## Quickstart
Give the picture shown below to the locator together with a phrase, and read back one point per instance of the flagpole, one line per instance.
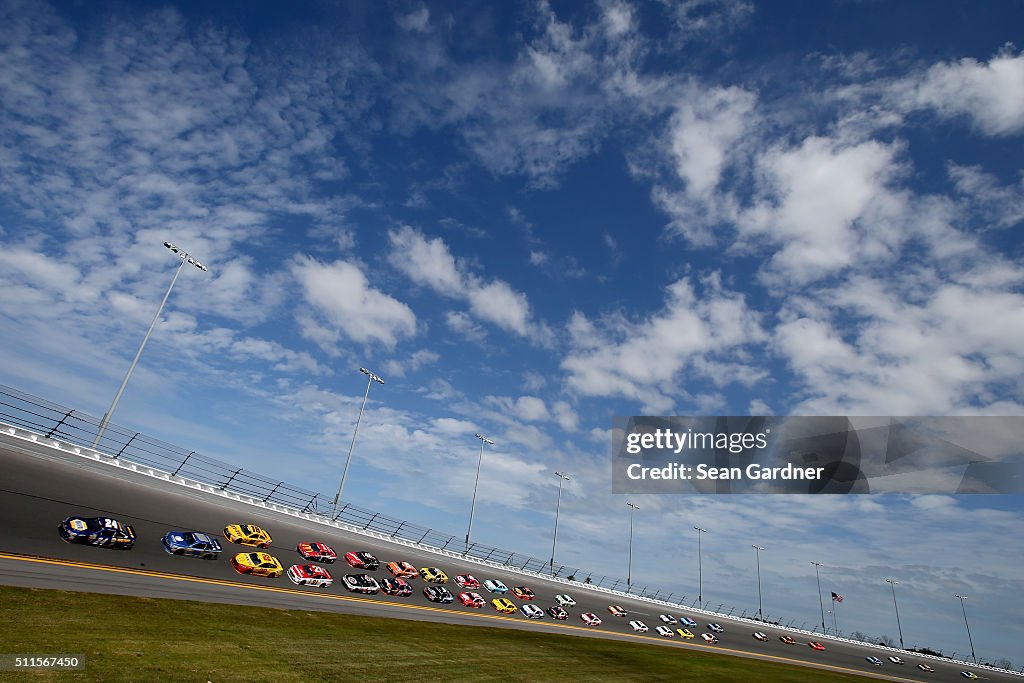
(836, 599)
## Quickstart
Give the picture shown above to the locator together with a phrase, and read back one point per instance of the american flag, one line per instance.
(836, 597)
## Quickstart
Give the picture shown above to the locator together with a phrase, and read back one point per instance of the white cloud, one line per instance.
(826, 204)
(412, 363)
(425, 261)
(418, 20)
(429, 262)
(703, 129)
(644, 359)
(566, 417)
(497, 303)
(347, 305)
(463, 324)
(990, 94)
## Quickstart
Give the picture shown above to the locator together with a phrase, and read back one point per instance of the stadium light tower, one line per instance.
(629, 566)
(472, 508)
(558, 502)
(185, 258)
(700, 569)
(757, 555)
(370, 379)
(969, 639)
(820, 603)
(892, 584)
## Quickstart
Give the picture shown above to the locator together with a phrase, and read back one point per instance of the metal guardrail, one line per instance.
(55, 422)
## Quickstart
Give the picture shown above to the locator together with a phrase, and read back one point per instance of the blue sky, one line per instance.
(528, 219)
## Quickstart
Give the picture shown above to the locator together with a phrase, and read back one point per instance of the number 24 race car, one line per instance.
(104, 532)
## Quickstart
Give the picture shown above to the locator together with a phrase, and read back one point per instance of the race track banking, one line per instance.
(40, 486)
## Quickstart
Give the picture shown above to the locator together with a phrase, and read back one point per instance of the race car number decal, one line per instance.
(78, 525)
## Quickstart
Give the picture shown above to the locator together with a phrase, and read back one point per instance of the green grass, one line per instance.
(144, 639)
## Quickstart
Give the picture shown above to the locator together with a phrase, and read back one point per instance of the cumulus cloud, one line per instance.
(345, 305)
(989, 94)
(429, 262)
(644, 359)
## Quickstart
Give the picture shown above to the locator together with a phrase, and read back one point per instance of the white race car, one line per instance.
(874, 660)
(716, 628)
(668, 619)
(761, 636)
(590, 619)
(531, 611)
(895, 660)
(310, 575)
(565, 601)
(709, 638)
(638, 626)
(664, 631)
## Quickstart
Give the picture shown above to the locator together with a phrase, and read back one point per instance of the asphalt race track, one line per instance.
(39, 487)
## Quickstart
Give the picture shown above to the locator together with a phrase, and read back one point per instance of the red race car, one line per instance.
(467, 581)
(816, 645)
(362, 560)
(471, 600)
(523, 593)
(317, 552)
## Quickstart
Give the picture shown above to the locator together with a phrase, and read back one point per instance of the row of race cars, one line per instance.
(107, 532)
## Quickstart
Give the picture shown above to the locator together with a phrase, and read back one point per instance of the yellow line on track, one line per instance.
(427, 608)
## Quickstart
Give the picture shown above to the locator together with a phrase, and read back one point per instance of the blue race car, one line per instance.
(687, 622)
(104, 532)
(191, 543)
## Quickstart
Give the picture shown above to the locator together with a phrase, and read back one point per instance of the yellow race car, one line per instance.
(685, 633)
(433, 575)
(247, 534)
(257, 564)
(504, 605)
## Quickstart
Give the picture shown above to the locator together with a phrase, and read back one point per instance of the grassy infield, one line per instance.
(143, 639)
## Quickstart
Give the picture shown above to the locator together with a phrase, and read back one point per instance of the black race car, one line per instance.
(438, 594)
(399, 587)
(104, 532)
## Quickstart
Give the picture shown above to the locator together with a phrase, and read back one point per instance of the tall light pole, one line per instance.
(558, 502)
(892, 584)
(472, 508)
(835, 630)
(757, 554)
(370, 379)
(629, 567)
(820, 603)
(969, 639)
(185, 258)
(700, 569)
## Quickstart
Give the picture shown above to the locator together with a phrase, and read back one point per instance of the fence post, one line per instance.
(488, 554)
(398, 529)
(343, 508)
(182, 464)
(231, 479)
(447, 542)
(126, 445)
(49, 435)
(423, 536)
(311, 503)
(273, 491)
(372, 519)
